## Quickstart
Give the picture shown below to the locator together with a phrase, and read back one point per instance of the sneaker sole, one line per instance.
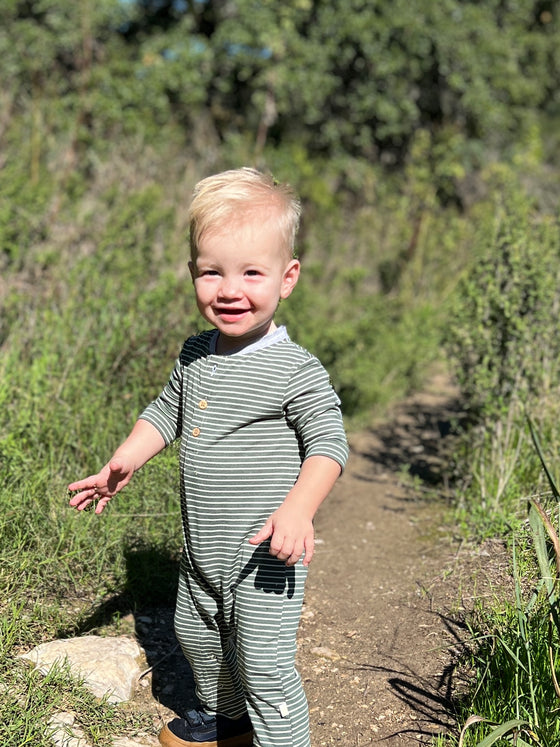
(168, 739)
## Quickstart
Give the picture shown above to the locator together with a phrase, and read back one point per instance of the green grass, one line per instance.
(514, 694)
(30, 700)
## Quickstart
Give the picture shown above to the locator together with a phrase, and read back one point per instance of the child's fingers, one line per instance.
(309, 551)
(76, 500)
(86, 499)
(262, 535)
(286, 548)
(101, 504)
(82, 500)
(85, 484)
(293, 551)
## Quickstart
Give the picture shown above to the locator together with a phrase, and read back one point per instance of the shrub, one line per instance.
(502, 332)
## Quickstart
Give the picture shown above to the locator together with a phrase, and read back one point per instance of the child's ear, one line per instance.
(290, 278)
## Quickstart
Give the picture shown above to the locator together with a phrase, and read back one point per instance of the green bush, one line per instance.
(502, 333)
(502, 341)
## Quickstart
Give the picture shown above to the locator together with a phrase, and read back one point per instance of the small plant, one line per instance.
(517, 683)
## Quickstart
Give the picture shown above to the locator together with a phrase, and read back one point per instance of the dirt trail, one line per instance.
(386, 593)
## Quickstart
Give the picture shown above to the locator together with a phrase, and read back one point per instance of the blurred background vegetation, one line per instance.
(423, 138)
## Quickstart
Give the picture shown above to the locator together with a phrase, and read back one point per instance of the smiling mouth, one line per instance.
(231, 312)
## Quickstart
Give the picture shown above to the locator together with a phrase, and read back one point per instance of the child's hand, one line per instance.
(103, 486)
(290, 528)
(291, 534)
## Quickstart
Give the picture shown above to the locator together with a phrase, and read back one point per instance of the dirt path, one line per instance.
(381, 626)
(379, 631)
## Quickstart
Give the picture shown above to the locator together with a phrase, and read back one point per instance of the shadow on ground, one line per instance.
(432, 699)
(412, 439)
(148, 598)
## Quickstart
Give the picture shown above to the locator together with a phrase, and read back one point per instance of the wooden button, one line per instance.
(196, 432)
(203, 404)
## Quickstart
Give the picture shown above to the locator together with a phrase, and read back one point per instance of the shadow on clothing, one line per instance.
(272, 575)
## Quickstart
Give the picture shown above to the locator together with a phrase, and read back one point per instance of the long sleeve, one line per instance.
(313, 409)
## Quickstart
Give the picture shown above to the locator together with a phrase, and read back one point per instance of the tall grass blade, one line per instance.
(551, 656)
(542, 555)
(469, 722)
(538, 520)
(523, 624)
(537, 444)
(550, 530)
(514, 726)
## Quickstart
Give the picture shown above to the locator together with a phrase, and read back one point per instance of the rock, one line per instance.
(64, 733)
(325, 653)
(108, 666)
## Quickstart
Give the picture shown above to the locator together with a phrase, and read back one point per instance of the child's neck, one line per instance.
(227, 345)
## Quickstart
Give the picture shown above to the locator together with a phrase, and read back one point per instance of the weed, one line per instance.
(516, 694)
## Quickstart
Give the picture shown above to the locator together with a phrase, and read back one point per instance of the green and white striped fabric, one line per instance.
(246, 422)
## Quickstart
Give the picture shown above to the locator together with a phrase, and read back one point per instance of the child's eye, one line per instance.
(206, 273)
(253, 273)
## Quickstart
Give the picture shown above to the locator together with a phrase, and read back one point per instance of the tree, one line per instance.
(362, 76)
(355, 77)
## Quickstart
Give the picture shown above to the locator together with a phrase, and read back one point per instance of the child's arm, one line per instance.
(290, 528)
(143, 443)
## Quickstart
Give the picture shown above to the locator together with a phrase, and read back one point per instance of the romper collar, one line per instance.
(279, 335)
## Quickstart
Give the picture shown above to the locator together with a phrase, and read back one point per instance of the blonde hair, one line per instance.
(237, 194)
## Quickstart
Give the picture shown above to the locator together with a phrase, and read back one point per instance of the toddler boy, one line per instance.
(262, 444)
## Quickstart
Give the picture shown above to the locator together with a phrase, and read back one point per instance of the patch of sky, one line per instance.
(245, 49)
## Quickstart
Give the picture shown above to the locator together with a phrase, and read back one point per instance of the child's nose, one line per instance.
(229, 287)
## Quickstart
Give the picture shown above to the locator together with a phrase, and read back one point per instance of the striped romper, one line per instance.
(246, 422)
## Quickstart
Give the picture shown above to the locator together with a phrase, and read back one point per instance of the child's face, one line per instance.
(240, 274)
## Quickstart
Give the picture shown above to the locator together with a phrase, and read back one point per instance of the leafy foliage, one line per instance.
(514, 652)
(501, 339)
(341, 76)
(502, 331)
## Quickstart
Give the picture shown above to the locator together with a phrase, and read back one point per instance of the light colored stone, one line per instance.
(108, 666)
(144, 742)
(64, 733)
(325, 653)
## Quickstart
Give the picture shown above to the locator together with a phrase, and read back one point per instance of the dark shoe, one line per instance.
(198, 729)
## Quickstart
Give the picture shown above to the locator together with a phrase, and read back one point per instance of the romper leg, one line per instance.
(268, 598)
(208, 646)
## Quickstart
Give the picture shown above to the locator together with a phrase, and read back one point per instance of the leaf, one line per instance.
(537, 526)
(501, 730)
(498, 732)
(469, 722)
(551, 655)
(550, 529)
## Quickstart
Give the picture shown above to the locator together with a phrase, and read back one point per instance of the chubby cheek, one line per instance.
(203, 291)
(205, 311)
(203, 300)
